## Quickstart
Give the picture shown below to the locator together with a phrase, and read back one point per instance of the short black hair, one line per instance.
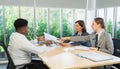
(20, 23)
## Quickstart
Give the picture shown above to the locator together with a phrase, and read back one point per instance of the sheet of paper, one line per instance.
(50, 37)
(80, 47)
(95, 56)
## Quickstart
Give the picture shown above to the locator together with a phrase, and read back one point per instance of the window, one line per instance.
(101, 13)
(41, 17)
(1, 24)
(79, 14)
(2, 55)
(118, 23)
(109, 20)
(28, 14)
(55, 21)
(67, 22)
(11, 14)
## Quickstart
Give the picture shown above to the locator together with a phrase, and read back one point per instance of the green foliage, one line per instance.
(55, 22)
(41, 21)
(28, 14)
(109, 27)
(66, 20)
(66, 28)
(1, 25)
(9, 20)
(11, 14)
(118, 30)
(41, 28)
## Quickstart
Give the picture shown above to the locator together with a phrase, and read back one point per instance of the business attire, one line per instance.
(84, 43)
(20, 49)
(105, 43)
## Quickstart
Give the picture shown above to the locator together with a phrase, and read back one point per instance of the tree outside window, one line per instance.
(41, 21)
(1, 33)
(118, 23)
(109, 20)
(67, 22)
(11, 14)
(55, 22)
(28, 14)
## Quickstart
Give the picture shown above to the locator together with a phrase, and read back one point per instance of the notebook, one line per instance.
(96, 57)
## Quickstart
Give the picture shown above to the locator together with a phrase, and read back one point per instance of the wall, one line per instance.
(47, 3)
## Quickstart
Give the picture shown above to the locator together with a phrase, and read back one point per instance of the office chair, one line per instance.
(11, 65)
(116, 43)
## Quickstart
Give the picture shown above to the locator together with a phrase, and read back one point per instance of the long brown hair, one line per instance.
(82, 24)
(100, 21)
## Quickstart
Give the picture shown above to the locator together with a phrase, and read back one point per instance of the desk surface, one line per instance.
(65, 58)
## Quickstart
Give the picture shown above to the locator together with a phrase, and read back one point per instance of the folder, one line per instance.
(96, 57)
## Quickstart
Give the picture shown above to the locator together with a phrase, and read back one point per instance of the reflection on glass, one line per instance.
(67, 22)
(28, 14)
(11, 14)
(118, 22)
(41, 17)
(109, 20)
(79, 14)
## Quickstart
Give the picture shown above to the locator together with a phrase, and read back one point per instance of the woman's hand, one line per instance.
(48, 42)
(64, 44)
(65, 38)
(93, 48)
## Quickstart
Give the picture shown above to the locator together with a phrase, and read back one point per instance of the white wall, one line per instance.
(47, 3)
(107, 3)
(61, 3)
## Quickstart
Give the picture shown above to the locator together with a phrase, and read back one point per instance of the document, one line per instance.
(80, 47)
(95, 56)
(50, 37)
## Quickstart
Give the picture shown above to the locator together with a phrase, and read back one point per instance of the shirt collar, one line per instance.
(99, 34)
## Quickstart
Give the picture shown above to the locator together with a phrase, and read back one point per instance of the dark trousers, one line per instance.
(35, 64)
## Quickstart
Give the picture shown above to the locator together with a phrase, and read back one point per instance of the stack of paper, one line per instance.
(95, 56)
(50, 37)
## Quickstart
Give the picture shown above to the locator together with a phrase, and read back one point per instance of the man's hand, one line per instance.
(65, 38)
(48, 42)
(41, 38)
(93, 48)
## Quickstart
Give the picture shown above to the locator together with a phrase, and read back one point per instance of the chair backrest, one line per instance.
(10, 63)
(116, 43)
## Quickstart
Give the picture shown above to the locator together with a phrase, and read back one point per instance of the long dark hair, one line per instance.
(82, 24)
(100, 21)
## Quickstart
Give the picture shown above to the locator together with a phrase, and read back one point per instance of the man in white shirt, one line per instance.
(20, 48)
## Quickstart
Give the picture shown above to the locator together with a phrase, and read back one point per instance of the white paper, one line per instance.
(50, 37)
(95, 56)
(81, 47)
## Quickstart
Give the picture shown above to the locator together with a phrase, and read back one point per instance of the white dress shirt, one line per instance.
(99, 34)
(20, 49)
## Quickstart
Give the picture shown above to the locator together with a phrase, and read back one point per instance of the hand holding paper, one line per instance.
(51, 37)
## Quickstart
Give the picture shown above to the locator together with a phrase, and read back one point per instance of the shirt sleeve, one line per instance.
(27, 46)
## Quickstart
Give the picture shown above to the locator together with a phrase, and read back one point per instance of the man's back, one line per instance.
(15, 48)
